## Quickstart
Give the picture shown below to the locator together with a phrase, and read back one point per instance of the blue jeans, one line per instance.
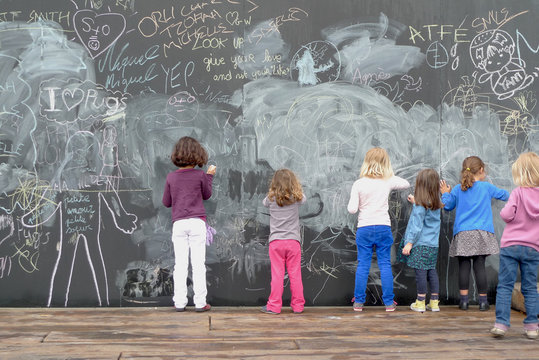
(511, 258)
(367, 237)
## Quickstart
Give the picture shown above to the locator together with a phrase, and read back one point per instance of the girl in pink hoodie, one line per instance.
(520, 247)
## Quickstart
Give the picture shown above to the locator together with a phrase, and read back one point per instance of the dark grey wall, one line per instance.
(93, 95)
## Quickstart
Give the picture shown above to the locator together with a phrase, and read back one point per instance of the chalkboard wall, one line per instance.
(94, 94)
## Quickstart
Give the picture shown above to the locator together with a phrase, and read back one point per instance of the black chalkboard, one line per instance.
(94, 93)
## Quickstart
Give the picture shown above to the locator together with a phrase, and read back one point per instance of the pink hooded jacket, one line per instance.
(521, 213)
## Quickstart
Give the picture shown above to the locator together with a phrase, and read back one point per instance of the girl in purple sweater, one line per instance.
(520, 247)
(185, 190)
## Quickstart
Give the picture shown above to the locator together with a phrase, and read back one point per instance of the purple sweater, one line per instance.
(521, 213)
(184, 191)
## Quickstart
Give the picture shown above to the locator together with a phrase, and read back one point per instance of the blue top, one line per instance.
(474, 209)
(423, 227)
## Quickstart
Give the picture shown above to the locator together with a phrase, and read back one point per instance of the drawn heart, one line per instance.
(72, 98)
(98, 32)
(232, 17)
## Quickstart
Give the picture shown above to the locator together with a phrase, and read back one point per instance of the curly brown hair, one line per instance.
(470, 167)
(187, 152)
(285, 188)
(427, 190)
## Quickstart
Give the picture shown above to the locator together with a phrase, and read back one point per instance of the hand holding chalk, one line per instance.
(211, 170)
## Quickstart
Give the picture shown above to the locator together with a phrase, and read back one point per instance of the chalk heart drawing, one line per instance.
(98, 32)
(72, 98)
(232, 17)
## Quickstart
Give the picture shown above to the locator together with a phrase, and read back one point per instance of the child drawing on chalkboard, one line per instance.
(370, 196)
(185, 190)
(284, 198)
(473, 230)
(419, 246)
(520, 247)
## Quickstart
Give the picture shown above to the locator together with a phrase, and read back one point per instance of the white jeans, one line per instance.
(189, 234)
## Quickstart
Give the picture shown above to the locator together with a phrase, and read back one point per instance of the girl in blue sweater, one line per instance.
(473, 231)
(419, 247)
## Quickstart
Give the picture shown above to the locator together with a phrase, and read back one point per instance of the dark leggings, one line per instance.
(478, 269)
(421, 281)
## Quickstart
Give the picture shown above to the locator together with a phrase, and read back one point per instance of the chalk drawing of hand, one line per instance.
(124, 221)
(130, 225)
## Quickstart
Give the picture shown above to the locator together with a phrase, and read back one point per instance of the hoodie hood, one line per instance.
(530, 201)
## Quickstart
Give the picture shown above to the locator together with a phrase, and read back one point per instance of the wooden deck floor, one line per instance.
(246, 333)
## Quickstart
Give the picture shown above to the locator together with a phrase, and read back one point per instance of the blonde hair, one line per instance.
(525, 170)
(471, 166)
(376, 164)
(285, 188)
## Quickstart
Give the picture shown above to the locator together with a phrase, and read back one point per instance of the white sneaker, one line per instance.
(532, 334)
(497, 332)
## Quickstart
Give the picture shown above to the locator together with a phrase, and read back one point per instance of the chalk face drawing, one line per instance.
(437, 56)
(493, 52)
(97, 32)
(94, 94)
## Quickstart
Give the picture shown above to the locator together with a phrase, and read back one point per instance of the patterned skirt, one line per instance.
(474, 242)
(421, 257)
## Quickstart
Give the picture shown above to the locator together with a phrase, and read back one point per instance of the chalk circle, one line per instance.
(436, 55)
(182, 106)
(326, 61)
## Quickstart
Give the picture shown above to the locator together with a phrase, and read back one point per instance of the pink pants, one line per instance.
(285, 252)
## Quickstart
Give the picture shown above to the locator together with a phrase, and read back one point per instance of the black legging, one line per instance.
(478, 269)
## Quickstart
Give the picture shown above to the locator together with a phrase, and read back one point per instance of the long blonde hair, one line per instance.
(525, 170)
(285, 188)
(376, 164)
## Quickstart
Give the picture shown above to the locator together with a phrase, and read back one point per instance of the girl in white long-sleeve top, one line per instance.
(369, 196)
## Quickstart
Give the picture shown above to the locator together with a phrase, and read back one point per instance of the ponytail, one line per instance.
(470, 167)
(466, 179)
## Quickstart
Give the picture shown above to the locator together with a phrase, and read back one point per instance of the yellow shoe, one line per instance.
(433, 305)
(418, 306)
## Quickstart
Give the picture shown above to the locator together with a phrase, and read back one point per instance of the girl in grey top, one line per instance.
(284, 197)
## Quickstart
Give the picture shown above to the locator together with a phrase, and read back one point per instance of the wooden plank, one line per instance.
(230, 333)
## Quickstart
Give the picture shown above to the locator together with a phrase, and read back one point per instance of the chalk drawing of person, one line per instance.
(492, 52)
(81, 218)
(307, 70)
(108, 151)
(305, 67)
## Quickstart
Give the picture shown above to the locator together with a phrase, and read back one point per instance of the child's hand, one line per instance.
(411, 199)
(444, 188)
(211, 170)
(406, 249)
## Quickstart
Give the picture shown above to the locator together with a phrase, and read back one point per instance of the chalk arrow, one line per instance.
(255, 6)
